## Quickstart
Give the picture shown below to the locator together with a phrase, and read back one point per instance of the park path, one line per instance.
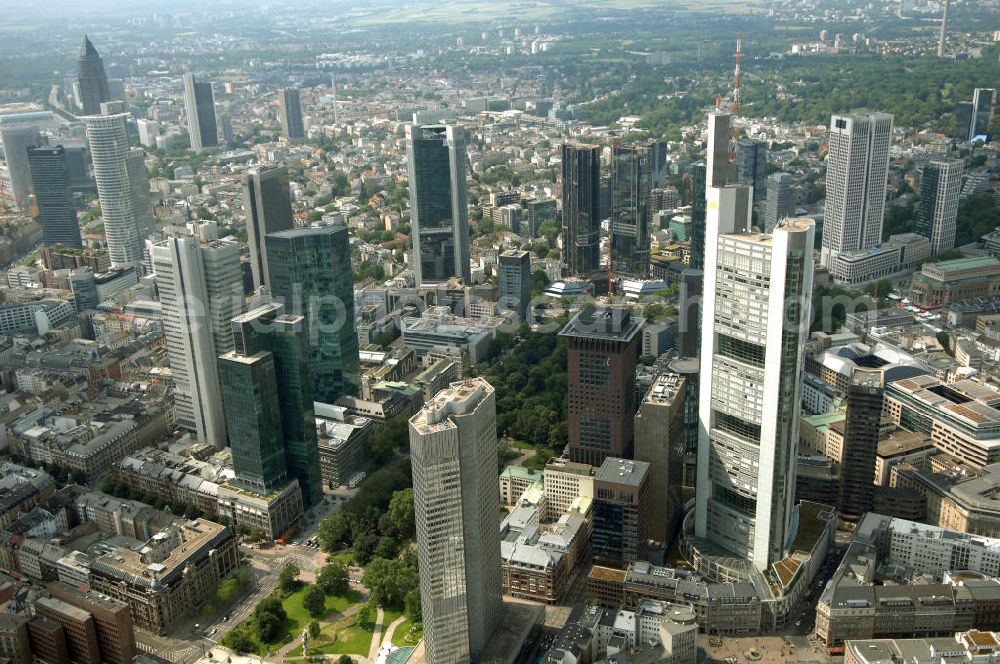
(376, 636)
(296, 642)
(391, 630)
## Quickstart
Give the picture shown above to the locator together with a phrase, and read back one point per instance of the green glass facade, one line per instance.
(310, 272)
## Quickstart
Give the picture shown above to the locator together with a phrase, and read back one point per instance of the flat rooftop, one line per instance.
(613, 324)
(622, 471)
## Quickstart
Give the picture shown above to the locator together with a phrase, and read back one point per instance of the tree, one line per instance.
(288, 580)
(239, 641)
(345, 659)
(314, 601)
(270, 616)
(399, 522)
(388, 581)
(411, 604)
(314, 629)
(334, 579)
(365, 546)
(336, 531)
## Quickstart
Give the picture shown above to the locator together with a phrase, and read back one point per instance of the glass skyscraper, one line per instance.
(268, 207)
(310, 273)
(581, 198)
(435, 159)
(91, 78)
(199, 104)
(631, 187)
(56, 213)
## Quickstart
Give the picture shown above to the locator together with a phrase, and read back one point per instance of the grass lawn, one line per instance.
(298, 615)
(343, 637)
(403, 636)
(521, 445)
(342, 557)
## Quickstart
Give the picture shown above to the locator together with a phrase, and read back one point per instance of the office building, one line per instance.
(290, 113)
(860, 443)
(78, 627)
(698, 210)
(268, 207)
(857, 165)
(149, 131)
(982, 112)
(970, 646)
(112, 621)
(454, 455)
(342, 440)
(751, 167)
(514, 278)
(937, 209)
(308, 271)
(199, 106)
(581, 220)
(781, 199)
(964, 112)
(631, 186)
(201, 290)
(54, 197)
(122, 188)
(17, 137)
(15, 643)
(755, 321)
(267, 394)
(602, 352)
(622, 504)
(435, 159)
(91, 78)
(660, 442)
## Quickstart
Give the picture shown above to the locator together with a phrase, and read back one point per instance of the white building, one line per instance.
(857, 166)
(453, 446)
(201, 290)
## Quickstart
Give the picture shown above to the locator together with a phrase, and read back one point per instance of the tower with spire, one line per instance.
(92, 78)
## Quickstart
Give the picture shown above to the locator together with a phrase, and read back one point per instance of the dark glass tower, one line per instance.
(56, 212)
(92, 78)
(267, 330)
(291, 113)
(751, 167)
(581, 199)
(310, 272)
(631, 187)
(435, 158)
(268, 207)
(698, 207)
(857, 463)
(199, 105)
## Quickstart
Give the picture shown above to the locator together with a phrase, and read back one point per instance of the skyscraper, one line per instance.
(602, 352)
(699, 175)
(581, 220)
(720, 170)
(857, 166)
(937, 209)
(751, 167)
(964, 112)
(56, 212)
(660, 441)
(267, 331)
(857, 462)
(982, 111)
(309, 271)
(199, 106)
(435, 159)
(780, 200)
(17, 137)
(201, 291)
(454, 454)
(268, 207)
(622, 505)
(91, 78)
(121, 178)
(631, 186)
(755, 320)
(514, 279)
(291, 113)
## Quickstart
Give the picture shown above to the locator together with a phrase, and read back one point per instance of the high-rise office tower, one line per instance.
(631, 187)
(271, 346)
(53, 196)
(268, 207)
(453, 449)
(658, 164)
(937, 209)
(17, 137)
(755, 321)
(112, 621)
(780, 200)
(689, 318)
(226, 124)
(514, 279)
(122, 187)
(309, 271)
(435, 159)
(91, 78)
(199, 106)
(581, 220)
(857, 166)
(751, 167)
(857, 462)
(660, 441)
(964, 113)
(201, 291)
(699, 175)
(291, 113)
(982, 111)
(602, 352)
(621, 508)
(720, 170)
